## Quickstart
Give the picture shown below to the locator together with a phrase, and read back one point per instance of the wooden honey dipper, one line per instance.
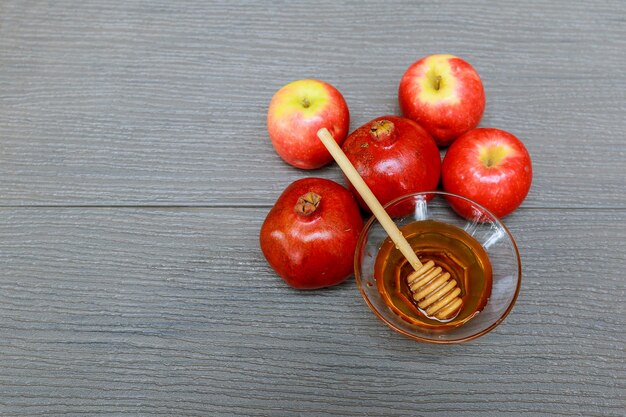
(436, 293)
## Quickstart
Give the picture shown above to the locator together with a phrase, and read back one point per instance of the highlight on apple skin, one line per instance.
(490, 166)
(444, 94)
(296, 112)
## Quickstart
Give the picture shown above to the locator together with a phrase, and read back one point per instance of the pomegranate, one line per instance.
(395, 156)
(309, 236)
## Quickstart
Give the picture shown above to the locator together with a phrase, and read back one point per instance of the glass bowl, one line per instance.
(482, 225)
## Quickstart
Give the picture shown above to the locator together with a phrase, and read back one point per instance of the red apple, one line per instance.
(296, 112)
(310, 235)
(444, 94)
(394, 156)
(489, 166)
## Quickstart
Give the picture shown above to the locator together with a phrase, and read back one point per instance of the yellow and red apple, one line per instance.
(444, 94)
(296, 112)
(490, 166)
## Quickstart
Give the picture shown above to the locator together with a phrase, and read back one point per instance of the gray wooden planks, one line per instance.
(175, 312)
(152, 102)
(141, 310)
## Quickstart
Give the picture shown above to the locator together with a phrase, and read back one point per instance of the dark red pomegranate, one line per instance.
(310, 234)
(395, 156)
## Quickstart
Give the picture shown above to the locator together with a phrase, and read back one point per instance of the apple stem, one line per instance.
(437, 82)
(307, 203)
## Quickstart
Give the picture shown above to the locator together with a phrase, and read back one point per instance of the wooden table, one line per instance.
(136, 170)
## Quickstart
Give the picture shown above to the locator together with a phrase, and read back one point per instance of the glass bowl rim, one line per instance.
(358, 273)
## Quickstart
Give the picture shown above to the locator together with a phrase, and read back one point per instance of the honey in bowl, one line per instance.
(451, 248)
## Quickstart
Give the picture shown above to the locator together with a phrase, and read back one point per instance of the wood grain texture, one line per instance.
(155, 102)
(148, 310)
(175, 312)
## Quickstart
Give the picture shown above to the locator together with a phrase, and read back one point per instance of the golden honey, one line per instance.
(451, 248)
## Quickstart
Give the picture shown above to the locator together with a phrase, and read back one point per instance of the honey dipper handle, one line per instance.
(369, 198)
